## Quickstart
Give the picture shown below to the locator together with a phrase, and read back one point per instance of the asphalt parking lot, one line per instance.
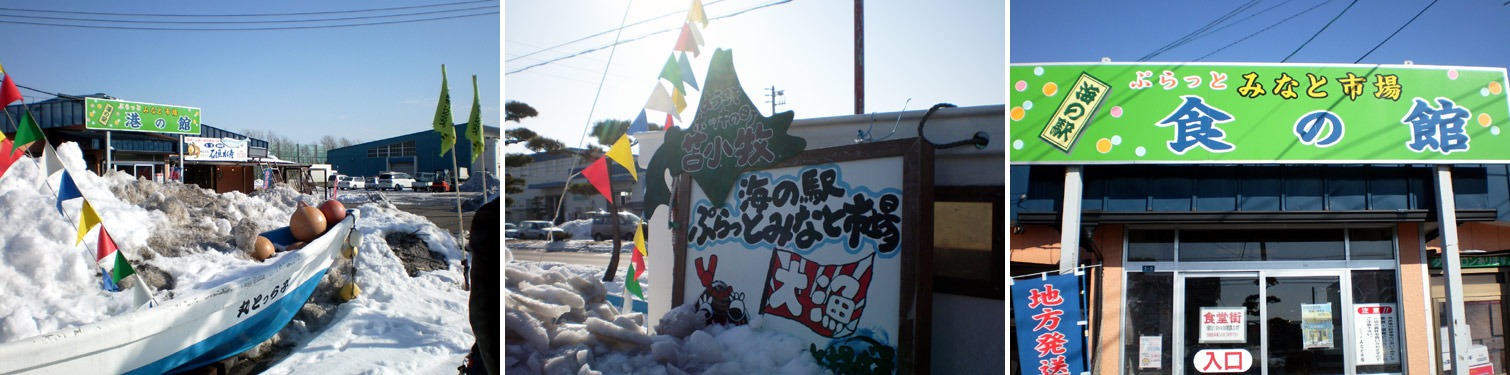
(439, 208)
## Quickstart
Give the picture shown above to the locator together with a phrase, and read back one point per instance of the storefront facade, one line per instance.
(1222, 231)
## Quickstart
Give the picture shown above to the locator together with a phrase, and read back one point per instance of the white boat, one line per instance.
(192, 331)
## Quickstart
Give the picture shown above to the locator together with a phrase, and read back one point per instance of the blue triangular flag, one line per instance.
(687, 75)
(109, 284)
(68, 191)
(639, 124)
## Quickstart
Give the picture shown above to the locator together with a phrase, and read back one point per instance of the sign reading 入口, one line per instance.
(120, 115)
(1257, 113)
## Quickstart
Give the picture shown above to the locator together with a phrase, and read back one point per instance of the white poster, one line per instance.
(1316, 325)
(214, 149)
(1376, 332)
(1222, 325)
(1150, 352)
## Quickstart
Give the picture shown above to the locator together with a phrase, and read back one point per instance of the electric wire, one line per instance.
(1263, 30)
(1397, 31)
(1192, 34)
(637, 23)
(1224, 27)
(1318, 32)
(642, 37)
(249, 28)
(247, 22)
(239, 15)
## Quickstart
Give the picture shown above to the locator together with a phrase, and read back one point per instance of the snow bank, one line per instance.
(579, 229)
(399, 324)
(542, 337)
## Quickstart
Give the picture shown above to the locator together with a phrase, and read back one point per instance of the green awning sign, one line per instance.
(120, 115)
(1152, 113)
(1476, 261)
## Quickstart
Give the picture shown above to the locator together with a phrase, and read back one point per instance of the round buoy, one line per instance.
(306, 223)
(349, 251)
(350, 292)
(262, 249)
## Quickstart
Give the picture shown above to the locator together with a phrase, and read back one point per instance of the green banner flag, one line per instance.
(1190, 113)
(443, 124)
(474, 123)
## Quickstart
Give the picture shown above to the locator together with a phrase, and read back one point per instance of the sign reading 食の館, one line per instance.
(1172, 113)
(120, 115)
(214, 149)
(825, 247)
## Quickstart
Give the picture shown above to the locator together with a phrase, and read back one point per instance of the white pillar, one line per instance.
(1069, 233)
(1457, 329)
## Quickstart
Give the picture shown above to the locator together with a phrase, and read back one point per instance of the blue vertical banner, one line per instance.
(1047, 314)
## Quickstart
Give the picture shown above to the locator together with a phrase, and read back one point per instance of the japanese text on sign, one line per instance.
(1376, 333)
(1075, 112)
(1053, 345)
(1222, 325)
(802, 211)
(251, 305)
(828, 299)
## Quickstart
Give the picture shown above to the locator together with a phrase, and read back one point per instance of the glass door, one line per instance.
(1262, 322)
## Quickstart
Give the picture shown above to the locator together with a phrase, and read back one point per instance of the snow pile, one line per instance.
(579, 229)
(474, 184)
(557, 321)
(399, 324)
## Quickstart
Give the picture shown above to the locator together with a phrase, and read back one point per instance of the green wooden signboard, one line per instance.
(120, 115)
(1139, 113)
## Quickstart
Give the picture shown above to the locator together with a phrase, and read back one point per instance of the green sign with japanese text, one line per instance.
(1136, 113)
(120, 115)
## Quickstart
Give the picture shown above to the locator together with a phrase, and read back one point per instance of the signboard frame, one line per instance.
(914, 252)
(145, 122)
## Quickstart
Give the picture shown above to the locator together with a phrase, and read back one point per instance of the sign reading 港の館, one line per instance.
(120, 115)
(1132, 113)
(824, 248)
(214, 149)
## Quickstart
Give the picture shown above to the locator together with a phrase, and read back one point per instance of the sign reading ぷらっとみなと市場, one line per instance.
(120, 115)
(1176, 113)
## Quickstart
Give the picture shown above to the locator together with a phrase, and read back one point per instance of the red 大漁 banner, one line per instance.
(827, 298)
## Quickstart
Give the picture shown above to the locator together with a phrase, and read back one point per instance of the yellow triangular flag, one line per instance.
(88, 222)
(620, 153)
(679, 99)
(696, 13)
(639, 240)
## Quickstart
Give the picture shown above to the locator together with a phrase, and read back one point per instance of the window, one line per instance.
(968, 241)
(1260, 244)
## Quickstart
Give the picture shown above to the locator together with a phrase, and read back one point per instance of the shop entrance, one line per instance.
(1271, 322)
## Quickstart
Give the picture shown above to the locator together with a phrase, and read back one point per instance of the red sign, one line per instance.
(1217, 361)
(1376, 310)
(1484, 369)
(827, 298)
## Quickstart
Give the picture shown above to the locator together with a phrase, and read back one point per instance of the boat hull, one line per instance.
(187, 332)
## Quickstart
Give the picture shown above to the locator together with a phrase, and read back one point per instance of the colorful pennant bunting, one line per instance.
(688, 75)
(620, 153)
(639, 125)
(639, 240)
(696, 13)
(68, 190)
(442, 123)
(50, 161)
(111, 260)
(8, 155)
(8, 91)
(597, 174)
(686, 42)
(679, 100)
(27, 132)
(672, 72)
(661, 101)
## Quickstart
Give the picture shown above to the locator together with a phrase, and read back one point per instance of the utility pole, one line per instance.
(859, 57)
(776, 98)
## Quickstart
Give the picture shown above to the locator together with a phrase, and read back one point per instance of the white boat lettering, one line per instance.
(249, 306)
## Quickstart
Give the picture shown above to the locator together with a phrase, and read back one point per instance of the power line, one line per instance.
(1264, 29)
(606, 31)
(583, 52)
(240, 15)
(1397, 31)
(1318, 32)
(246, 22)
(248, 28)
(1191, 35)
(1224, 27)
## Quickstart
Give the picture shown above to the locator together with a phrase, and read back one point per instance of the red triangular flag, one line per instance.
(107, 245)
(668, 122)
(8, 91)
(597, 174)
(639, 263)
(8, 156)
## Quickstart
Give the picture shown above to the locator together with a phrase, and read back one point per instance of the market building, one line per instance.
(1258, 218)
(415, 153)
(150, 149)
(545, 185)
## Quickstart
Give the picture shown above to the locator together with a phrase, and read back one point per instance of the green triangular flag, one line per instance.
(443, 124)
(633, 284)
(673, 72)
(27, 131)
(122, 268)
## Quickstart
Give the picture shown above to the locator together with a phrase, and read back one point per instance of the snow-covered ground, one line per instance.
(557, 320)
(398, 325)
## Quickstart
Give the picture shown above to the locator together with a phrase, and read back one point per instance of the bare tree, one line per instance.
(328, 142)
(345, 142)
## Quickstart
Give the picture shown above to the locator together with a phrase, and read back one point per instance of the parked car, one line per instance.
(370, 182)
(394, 181)
(602, 225)
(344, 182)
(540, 229)
(510, 230)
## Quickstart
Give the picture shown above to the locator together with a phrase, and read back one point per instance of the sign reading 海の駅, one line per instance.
(823, 247)
(120, 115)
(1257, 113)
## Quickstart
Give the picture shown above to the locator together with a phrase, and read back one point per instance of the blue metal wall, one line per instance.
(1160, 188)
(353, 161)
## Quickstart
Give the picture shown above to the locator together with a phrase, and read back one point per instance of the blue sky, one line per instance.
(931, 52)
(1459, 33)
(365, 83)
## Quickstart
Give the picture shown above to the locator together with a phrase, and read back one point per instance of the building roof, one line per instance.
(67, 111)
(487, 132)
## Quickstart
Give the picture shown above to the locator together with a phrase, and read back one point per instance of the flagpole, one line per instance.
(460, 222)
